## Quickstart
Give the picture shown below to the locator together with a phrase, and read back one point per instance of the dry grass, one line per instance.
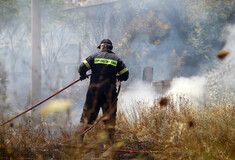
(190, 133)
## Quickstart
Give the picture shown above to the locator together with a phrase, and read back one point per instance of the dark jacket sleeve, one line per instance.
(123, 73)
(85, 66)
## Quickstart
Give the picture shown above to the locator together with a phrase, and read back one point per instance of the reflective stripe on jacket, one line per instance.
(104, 66)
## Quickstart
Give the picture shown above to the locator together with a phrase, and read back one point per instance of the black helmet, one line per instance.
(106, 41)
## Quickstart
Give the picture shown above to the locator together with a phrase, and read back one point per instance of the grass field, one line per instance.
(190, 133)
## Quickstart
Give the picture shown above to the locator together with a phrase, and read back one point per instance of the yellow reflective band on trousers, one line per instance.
(105, 61)
(87, 64)
(123, 71)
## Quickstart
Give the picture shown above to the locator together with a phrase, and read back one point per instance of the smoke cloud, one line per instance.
(216, 85)
(192, 88)
(230, 44)
(162, 39)
(137, 93)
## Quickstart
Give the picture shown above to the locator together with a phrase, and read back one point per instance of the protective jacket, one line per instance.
(105, 66)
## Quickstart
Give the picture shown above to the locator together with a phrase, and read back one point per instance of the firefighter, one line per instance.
(106, 69)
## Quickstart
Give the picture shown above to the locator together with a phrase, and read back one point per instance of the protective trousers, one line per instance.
(100, 97)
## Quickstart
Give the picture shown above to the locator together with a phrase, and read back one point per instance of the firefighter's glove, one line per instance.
(84, 77)
(118, 78)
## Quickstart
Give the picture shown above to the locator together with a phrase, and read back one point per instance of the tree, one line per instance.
(13, 28)
(3, 84)
(195, 26)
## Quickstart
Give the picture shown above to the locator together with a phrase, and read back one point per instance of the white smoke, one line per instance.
(192, 89)
(218, 83)
(230, 44)
(137, 92)
(224, 72)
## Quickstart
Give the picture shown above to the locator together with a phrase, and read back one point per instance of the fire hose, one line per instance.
(2, 124)
(85, 131)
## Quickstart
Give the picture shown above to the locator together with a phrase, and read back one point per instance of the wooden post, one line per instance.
(36, 51)
(148, 74)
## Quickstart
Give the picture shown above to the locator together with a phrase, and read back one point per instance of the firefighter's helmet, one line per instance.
(106, 41)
